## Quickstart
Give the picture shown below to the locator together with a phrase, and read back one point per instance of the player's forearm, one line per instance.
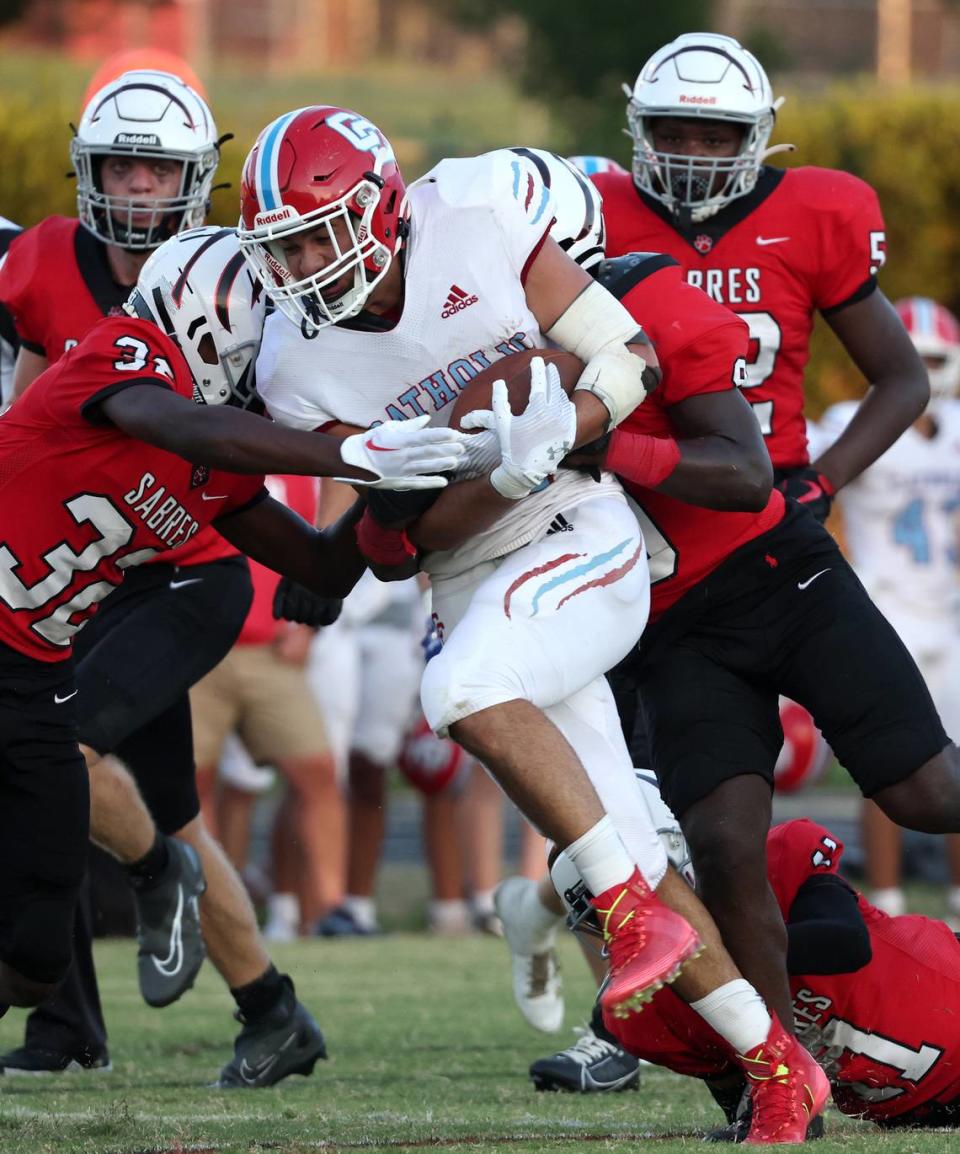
(462, 511)
(240, 442)
(887, 411)
(715, 472)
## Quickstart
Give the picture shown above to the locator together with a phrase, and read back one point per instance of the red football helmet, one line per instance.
(428, 762)
(935, 333)
(805, 753)
(307, 170)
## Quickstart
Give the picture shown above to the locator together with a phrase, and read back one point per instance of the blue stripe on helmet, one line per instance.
(269, 197)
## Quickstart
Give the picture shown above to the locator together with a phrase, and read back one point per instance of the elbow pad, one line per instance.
(597, 329)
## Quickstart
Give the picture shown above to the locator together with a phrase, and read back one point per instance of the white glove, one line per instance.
(533, 444)
(404, 454)
(481, 457)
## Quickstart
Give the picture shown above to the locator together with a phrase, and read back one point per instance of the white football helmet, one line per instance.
(200, 291)
(709, 77)
(935, 333)
(578, 224)
(146, 115)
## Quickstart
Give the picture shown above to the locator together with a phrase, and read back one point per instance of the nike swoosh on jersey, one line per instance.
(180, 584)
(207, 497)
(58, 700)
(762, 240)
(810, 580)
(171, 964)
(377, 448)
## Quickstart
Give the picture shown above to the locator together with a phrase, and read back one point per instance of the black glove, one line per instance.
(295, 602)
(809, 488)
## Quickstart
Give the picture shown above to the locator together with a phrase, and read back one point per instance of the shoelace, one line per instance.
(776, 1108)
(588, 1047)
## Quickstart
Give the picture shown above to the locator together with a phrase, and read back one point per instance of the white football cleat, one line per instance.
(531, 933)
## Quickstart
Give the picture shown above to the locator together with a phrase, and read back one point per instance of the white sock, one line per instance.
(738, 1014)
(363, 909)
(890, 900)
(449, 916)
(482, 902)
(601, 857)
(284, 909)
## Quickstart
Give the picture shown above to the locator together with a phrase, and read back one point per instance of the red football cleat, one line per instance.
(648, 945)
(788, 1088)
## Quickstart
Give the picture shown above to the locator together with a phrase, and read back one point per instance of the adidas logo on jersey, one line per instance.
(457, 301)
(559, 525)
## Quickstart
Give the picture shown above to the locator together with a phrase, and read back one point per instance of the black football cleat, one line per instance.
(592, 1065)
(33, 1062)
(286, 1040)
(170, 944)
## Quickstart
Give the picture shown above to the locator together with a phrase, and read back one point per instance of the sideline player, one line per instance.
(775, 246)
(508, 593)
(901, 520)
(192, 329)
(891, 1060)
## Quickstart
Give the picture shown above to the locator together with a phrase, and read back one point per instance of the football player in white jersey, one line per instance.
(901, 522)
(389, 301)
(530, 619)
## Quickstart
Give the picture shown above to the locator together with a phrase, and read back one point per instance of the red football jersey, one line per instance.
(806, 239)
(57, 285)
(48, 293)
(699, 345)
(301, 494)
(886, 1035)
(83, 501)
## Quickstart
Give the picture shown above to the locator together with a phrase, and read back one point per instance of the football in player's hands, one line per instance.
(515, 371)
(811, 489)
(295, 602)
(532, 442)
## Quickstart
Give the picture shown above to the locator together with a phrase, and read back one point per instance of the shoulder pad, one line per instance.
(621, 273)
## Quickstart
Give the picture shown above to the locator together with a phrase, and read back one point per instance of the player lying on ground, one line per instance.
(894, 1060)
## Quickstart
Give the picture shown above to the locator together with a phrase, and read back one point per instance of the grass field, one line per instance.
(426, 1050)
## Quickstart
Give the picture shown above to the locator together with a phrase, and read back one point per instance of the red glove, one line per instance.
(383, 546)
(810, 488)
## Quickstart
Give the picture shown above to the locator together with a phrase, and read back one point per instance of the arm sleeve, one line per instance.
(117, 353)
(702, 346)
(826, 932)
(507, 189)
(17, 275)
(852, 244)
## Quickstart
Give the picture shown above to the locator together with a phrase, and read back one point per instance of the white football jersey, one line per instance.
(475, 225)
(901, 520)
